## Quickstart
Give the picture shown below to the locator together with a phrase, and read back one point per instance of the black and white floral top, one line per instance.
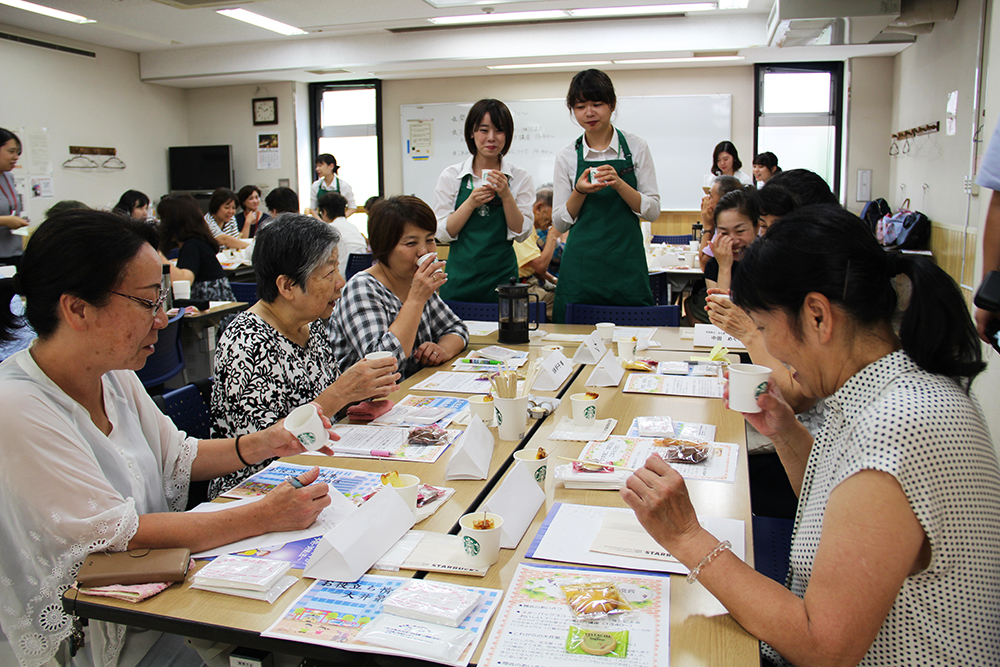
(361, 319)
(261, 376)
(924, 430)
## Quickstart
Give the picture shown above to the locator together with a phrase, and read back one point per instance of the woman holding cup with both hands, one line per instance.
(897, 531)
(482, 205)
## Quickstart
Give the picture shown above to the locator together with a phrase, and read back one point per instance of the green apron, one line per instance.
(482, 256)
(323, 191)
(604, 262)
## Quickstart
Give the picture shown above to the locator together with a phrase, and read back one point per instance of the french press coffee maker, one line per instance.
(512, 313)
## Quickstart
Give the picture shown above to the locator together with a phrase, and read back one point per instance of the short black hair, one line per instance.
(220, 198)
(808, 186)
(333, 204)
(500, 117)
(767, 159)
(591, 85)
(775, 200)
(282, 200)
(131, 200)
(743, 201)
(245, 193)
(7, 135)
(291, 245)
(388, 218)
(326, 158)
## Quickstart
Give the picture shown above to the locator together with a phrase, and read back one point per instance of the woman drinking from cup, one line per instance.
(393, 306)
(90, 463)
(482, 205)
(604, 183)
(249, 220)
(897, 534)
(726, 162)
(277, 355)
(10, 203)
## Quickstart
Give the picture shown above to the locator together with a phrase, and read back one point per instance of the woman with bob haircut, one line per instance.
(132, 204)
(221, 219)
(604, 183)
(726, 162)
(482, 206)
(393, 306)
(897, 534)
(277, 355)
(250, 219)
(765, 165)
(90, 462)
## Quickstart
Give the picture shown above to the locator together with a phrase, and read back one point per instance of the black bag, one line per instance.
(916, 232)
(874, 211)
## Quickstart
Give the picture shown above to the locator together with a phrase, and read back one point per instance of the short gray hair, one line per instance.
(292, 245)
(544, 194)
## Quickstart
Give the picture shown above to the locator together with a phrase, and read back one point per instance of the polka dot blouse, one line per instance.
(926, 432)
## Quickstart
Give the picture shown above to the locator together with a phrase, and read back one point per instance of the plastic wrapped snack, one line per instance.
(593, 600)
(428, 435)
(430, 640)
(433, 602)
(676, 450)
(587, 641)
(582, 466)
(655, 427)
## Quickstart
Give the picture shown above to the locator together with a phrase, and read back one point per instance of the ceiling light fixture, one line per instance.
(734, 4)
(685, 59)
(589, 63)
(261, 21)
(544, 15)
(645, 10)
(47, 11)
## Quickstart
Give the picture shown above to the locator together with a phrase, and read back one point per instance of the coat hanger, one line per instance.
(894, 148)
(113, 162)
(80, 162)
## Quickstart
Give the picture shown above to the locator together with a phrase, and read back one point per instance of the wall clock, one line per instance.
(265, 111)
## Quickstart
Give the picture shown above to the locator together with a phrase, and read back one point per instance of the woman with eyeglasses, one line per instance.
(90, 463)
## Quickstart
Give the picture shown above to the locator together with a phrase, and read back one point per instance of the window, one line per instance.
(798, 116)
(347, 123)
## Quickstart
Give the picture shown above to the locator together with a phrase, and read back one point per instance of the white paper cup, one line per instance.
(548, 350)
(626, 350)
(305, 424)
(480, 407)
(512, 417)
(606, 330)
(481, 546)
(746, 383)
(408, 491)
(694, 246)
(692, 259)
(182, 289)
(423, 259)
(536, 466)
(719, 297)
(584, 409)
(375, 356)
(593, 175)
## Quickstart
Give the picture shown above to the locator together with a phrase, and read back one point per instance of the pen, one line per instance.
(378, 453)
(480, 362)
(294, 481)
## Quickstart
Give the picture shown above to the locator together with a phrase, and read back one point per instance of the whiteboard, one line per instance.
(682, 131)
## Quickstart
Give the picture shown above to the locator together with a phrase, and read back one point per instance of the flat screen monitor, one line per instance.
(203, 168)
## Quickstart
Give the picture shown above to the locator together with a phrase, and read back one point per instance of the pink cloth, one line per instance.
(134, 593)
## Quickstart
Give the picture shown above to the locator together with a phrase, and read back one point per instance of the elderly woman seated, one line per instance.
(394, 305)
(897, 535)
(90, 463)
(277, 355)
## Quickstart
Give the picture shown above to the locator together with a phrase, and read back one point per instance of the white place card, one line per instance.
(609, 372)
(709, 335)
(516, 500)
(555, 370)
(471, 454)
(590, 351)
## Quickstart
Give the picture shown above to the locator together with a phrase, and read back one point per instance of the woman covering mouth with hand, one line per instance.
(735, 229)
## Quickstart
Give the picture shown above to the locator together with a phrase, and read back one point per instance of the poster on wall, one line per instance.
(268, 151)
(41, 187)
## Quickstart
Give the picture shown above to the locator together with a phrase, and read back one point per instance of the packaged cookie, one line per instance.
(610, 644)
(593, 600)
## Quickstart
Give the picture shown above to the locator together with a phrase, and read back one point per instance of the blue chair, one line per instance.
(654, 316)
(489, 312)
(188, 408)
(659, 284)
(167, 359)
(772, 544)
(681, 239)
(357, 262)
(245, 292)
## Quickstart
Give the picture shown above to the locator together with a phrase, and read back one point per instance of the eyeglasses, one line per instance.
(154, 306)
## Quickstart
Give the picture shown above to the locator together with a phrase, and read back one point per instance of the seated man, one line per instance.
(534, 255)
(542, 210)
(332, 209)
(694, 306)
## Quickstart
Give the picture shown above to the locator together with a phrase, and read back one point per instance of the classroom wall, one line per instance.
(223, 115)
(868, 123)
(91, 102)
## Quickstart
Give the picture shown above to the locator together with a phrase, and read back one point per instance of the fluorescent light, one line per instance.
(692, 59)
(544, 15)
(261, 21)
(645, 10)
(47, 11)
(733, 4)
(590, 63)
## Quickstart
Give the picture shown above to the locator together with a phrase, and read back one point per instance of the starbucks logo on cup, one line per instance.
(540, 474)
(307, 439)
(499, 417)
(761, 389)
(471, 546)
(590, 412)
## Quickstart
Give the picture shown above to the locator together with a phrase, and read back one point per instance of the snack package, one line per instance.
(430, 640)
(593, 600)
(580, 466)
(428, 435)
(637, 365)
(428, 494)
(655, 427)
(676, 450)
(597, 642)
(433, 602)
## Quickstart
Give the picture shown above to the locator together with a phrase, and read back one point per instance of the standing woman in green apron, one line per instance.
(604, 182)
(328, 181)
(482, 205)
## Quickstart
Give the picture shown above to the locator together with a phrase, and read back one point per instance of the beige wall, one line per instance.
(868, 123)
(91, 102)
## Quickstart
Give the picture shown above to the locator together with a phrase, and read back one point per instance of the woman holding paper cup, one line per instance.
(899, 494)
(482, 205)
(394, 306)
(604, 183)
(91, 464)
(277, 355)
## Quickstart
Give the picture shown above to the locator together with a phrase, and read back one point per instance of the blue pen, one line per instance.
(294, 481)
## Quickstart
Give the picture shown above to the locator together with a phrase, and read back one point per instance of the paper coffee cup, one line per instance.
(584, 409)
(626, 350)
(482, 408)
(423, 259)
(408, 490)
(182, 289)
(746, 383)
(305, 424)
(536, 466)
(482, 547)
(548, 350)
(694, 246)
(606, 330)
(381, 354)
(512, 417)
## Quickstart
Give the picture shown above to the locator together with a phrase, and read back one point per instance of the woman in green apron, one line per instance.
(326, 169)
(482, 205)
(604, 182)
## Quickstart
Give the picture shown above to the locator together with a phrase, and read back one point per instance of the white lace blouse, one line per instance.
(67, 490)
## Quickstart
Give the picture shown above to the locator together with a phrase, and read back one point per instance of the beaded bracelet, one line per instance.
(720, 547)
(238, 455)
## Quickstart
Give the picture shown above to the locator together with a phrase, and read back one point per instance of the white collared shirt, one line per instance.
(564, 178)
(450, 180)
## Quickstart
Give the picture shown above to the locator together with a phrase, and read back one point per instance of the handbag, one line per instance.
(139, 566)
